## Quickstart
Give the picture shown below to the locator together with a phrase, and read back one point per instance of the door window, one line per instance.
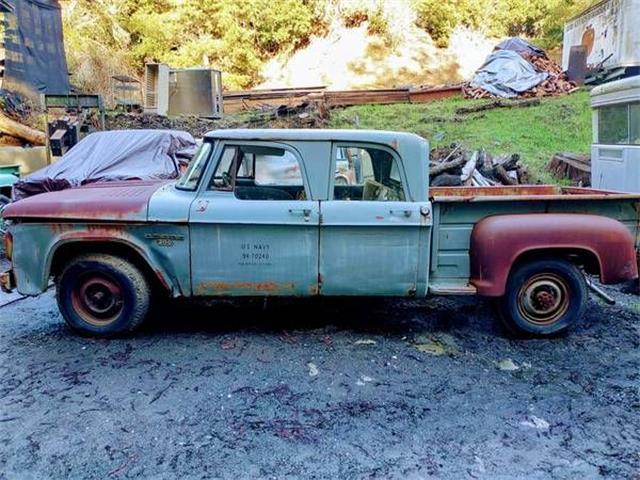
(367, 173)
(259, 173)
(191, 177)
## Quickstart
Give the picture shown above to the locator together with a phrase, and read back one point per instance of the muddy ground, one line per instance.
(338, 389)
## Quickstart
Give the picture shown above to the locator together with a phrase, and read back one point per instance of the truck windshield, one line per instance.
(190, 178)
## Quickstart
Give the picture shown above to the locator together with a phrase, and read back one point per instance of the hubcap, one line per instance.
(97, 298)
(543, 299)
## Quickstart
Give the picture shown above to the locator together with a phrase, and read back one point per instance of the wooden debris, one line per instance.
(16, 129)
(498, 103)
(454, 166)
(572, 166)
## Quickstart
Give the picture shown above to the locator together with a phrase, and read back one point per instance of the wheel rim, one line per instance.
(543, 299)
(97, 298)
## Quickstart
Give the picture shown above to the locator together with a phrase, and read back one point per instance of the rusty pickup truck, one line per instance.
(318, 213)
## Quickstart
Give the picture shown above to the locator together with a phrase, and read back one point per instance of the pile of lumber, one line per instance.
(455, 166)
(557, 82)
(571, 166)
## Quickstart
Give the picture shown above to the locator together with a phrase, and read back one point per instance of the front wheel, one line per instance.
(102, 295)
(544, 298)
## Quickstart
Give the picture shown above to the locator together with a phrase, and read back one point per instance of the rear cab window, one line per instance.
(366, 173)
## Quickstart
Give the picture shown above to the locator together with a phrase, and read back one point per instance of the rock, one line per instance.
(508, 365)
(365, 342)
(536, 422)
(313, 369)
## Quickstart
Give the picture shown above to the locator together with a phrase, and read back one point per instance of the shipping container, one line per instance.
(610, 33)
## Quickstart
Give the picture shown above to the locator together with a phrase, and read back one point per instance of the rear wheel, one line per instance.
(543, 298)
(103, 295)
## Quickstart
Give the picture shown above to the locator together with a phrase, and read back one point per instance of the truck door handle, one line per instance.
(306, 212)
(405, 213)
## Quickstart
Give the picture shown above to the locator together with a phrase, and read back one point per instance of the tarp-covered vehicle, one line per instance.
(112, 156)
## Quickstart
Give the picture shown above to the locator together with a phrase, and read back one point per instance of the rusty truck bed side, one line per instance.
(456, 211)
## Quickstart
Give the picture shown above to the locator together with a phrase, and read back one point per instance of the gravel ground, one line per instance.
(333, 389)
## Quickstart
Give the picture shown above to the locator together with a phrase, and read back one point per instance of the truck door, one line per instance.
(254, 230)
(371, 235)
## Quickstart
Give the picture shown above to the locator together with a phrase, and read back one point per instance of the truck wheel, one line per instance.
(102, 295)
(544, 298)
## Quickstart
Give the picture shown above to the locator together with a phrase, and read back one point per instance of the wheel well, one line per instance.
(66, 252)
(580, 257)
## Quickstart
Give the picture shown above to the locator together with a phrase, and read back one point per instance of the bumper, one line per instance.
(7, 281)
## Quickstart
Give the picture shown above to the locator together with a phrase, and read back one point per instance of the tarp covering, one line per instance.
(519, 45)
(35, 62)
(505, 74)
(111, 156)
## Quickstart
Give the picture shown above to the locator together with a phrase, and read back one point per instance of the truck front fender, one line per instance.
(498, 242)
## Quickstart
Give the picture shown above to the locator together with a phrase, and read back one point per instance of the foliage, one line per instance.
(536, 133)
(235, 36)
(107, 37)
(532, 18)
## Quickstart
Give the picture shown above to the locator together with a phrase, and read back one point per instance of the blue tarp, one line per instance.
(506, 74)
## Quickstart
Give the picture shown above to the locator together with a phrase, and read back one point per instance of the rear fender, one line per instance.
(498, 242)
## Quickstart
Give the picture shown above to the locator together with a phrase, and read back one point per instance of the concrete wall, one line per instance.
(29, 159)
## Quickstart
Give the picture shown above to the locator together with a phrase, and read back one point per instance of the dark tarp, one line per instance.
(111, 156)
(506, 74)
(35, 62)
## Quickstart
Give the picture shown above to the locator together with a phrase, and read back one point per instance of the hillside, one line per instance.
(536, 132)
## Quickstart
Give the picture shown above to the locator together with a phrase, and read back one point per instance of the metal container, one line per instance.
(195, 91)
(615, 153)
(609, 31)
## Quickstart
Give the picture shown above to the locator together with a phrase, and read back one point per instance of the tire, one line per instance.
(103, 295)
(544, 298)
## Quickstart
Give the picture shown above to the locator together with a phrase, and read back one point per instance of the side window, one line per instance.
(370, 174)
(190, 178)
(613, 125)
(259, 173)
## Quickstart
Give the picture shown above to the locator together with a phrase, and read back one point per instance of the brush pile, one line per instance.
(454, 166)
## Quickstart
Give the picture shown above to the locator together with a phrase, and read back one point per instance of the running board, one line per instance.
(452, 289)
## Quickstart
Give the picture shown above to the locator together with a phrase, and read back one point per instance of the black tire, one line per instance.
(103, 295)
(543, 298)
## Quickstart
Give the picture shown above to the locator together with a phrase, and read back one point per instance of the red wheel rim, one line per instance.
(97, 298)
(543, 299)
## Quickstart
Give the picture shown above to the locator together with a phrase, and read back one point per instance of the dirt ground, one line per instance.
(333, 389)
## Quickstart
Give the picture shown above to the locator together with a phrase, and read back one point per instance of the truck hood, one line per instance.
(109, 201)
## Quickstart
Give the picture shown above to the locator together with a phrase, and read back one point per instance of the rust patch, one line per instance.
(260, 288)
(106, 201)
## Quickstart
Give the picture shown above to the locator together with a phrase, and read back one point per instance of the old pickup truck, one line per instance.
(318, 213)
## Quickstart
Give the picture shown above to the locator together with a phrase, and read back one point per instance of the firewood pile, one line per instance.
(556, 84)
(455, 166)
(571, 166)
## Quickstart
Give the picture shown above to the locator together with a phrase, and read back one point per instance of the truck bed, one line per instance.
(457, 209)
(524, 192)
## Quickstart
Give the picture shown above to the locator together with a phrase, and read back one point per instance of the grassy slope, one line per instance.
(536, 133)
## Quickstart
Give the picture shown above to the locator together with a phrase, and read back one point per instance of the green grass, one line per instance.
(558, 124)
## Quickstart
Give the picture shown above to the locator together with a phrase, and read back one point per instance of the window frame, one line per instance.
(222, 144)
(207, 161)
(363, 145)
(627, 106)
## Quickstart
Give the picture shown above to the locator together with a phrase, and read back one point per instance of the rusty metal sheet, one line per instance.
(121, 201)
(497, 242)
(524, 192)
